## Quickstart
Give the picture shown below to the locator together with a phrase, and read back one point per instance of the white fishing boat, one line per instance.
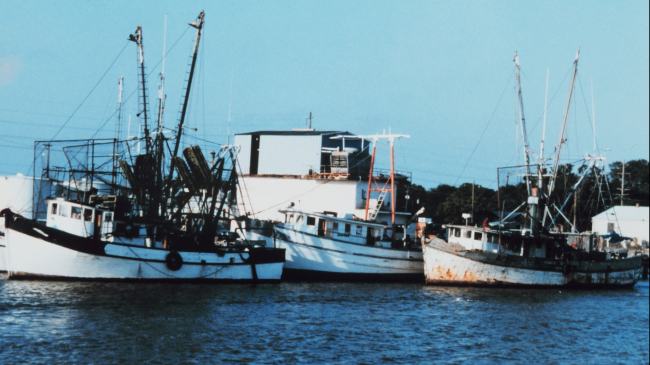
(537, 254)
(322, 246)
(159, 227)
(82, 242)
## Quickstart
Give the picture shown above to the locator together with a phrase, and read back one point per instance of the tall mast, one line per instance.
(522, 122)
(138, 40)
(199, 26)
(564, 125)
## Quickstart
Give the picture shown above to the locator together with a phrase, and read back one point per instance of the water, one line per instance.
(118, 323)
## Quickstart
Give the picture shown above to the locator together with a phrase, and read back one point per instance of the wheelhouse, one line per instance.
(328, 225)
(477, 238)
(79, 219)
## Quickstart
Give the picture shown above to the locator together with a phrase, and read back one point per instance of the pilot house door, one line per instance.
(322, 225)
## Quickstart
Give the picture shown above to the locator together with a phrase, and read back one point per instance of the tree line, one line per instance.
(446, 203)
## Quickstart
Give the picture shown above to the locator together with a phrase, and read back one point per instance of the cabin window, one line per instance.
(478, 236)
(88, 215)
(468, 234)
(456, 232)
(53, 211)
(76, 212)
(358, 230)
(311, 221)
(64, 211)
(347, 228)
(339, 161)
(335, 226)
(298, 219)
(108, 217)
(493, 238)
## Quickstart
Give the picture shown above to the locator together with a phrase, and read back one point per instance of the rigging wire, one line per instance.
(485, 129)
(137, 87)
(91, 91)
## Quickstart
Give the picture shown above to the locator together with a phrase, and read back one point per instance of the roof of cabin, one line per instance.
(299, 132)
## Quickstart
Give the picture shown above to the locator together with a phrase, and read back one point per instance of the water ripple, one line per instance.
(304, 323)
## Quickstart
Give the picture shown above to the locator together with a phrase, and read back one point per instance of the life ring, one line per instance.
(174, 261)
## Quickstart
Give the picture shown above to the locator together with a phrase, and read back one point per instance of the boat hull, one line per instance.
(32, 257)
(311, 257)
(3, 250)
(444, 266)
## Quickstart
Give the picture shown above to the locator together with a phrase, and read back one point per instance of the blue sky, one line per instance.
(439, 71)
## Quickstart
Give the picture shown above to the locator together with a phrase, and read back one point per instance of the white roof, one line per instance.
(624, 213)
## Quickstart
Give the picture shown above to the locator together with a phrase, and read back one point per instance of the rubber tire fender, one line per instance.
(174, 261)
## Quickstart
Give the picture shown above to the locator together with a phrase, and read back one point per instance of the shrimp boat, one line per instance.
(322, 246)
(126, 217)
(538, 254)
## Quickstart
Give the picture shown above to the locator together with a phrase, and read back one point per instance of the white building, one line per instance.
(16, 193)
(628, 221)
(307, 168)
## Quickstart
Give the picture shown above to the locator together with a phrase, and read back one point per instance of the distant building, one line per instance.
(308, 168)
(16, 193)
(628, 221)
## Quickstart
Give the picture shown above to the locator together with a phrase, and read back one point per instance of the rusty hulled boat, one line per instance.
(537, 252)
(473, 256)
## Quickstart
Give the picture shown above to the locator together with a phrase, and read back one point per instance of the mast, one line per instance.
(138, 40)
(199, 27)
(567, 110)
(522, 122)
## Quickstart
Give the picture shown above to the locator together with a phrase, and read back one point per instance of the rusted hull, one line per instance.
(444, 266)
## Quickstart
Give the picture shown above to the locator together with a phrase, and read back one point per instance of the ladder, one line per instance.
(380, 201)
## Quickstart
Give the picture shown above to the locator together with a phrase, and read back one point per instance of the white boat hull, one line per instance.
(3, 250)
(443, 267)
(310, 256)
(31, 257)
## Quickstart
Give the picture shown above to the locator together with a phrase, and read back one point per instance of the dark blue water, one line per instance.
(117, 323)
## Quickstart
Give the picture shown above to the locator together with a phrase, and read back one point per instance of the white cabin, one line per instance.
(328, 225)
(78, 219)
(478, 238)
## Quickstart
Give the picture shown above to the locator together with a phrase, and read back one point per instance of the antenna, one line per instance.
(230, 104)
(116, 151)
(161, 88)
(541, 147)
(309, 120)
(593, 114)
